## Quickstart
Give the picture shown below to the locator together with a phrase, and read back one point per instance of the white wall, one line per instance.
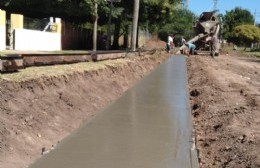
(32, 40)
(2, 38)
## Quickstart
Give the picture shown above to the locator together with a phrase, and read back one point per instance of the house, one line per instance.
(15, 36)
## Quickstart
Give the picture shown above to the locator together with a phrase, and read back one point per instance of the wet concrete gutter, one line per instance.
(148, 127)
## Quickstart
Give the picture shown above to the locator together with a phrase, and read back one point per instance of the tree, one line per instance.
(233, 18)
(77, 11)
(157, 13)
(154, 14)
(180, 24)
(246, 35)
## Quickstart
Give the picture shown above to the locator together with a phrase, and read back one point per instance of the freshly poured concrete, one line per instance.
(148, 127)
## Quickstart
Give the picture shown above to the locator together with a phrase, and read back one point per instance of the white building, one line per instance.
(14, 36)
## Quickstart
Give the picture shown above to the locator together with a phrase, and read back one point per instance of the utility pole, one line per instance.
(255, 18)
(215, 4)
(135, 24)
(95, 28)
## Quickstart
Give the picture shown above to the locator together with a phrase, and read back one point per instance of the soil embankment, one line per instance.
(39, 112)
(225, 107)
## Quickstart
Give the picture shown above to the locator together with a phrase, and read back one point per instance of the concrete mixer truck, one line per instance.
(207, 26)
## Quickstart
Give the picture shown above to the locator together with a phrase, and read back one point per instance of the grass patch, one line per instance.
(57, 70)
(227, 48)
(255, 54)
(10, 52)
(248, 52)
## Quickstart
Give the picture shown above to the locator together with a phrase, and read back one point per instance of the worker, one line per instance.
(213, 44)
(191, 48)
(183, 41)
(170, 43)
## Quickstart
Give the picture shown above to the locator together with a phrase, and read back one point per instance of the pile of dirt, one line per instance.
(225, 106)
(36, 114)
(154, 44)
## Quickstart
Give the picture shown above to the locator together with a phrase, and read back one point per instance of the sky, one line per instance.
(199, 6)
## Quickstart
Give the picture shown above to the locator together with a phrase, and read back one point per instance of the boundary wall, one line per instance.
(36, 40)
(25, 39)
(2, 30)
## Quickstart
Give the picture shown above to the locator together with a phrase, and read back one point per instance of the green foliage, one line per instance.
(233, 18)
(35, 24)
(164, 17)
(156, 13)
(161, 16)
(180, 24)
(246, 35)
(73, 10)
(152, 12)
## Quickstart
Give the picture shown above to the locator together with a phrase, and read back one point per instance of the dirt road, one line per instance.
(225, 95)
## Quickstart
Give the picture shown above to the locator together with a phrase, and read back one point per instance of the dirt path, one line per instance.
(225, 96)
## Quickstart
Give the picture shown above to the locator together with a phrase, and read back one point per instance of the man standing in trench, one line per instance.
(190, 49)
(170, 43)
(213, 44)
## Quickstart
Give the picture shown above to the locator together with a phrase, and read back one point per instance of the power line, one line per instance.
(256, 15)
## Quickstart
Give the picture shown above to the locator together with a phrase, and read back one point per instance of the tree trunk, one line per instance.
(108, 42)
(116, 34)
(135, 24)
(137, 37)
(95, 28)
(126, 35)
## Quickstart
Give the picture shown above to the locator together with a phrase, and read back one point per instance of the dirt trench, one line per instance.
(225, 107)
(38, 113)
(224, 96)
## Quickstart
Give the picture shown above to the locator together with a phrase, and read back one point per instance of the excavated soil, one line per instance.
(225, 101)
